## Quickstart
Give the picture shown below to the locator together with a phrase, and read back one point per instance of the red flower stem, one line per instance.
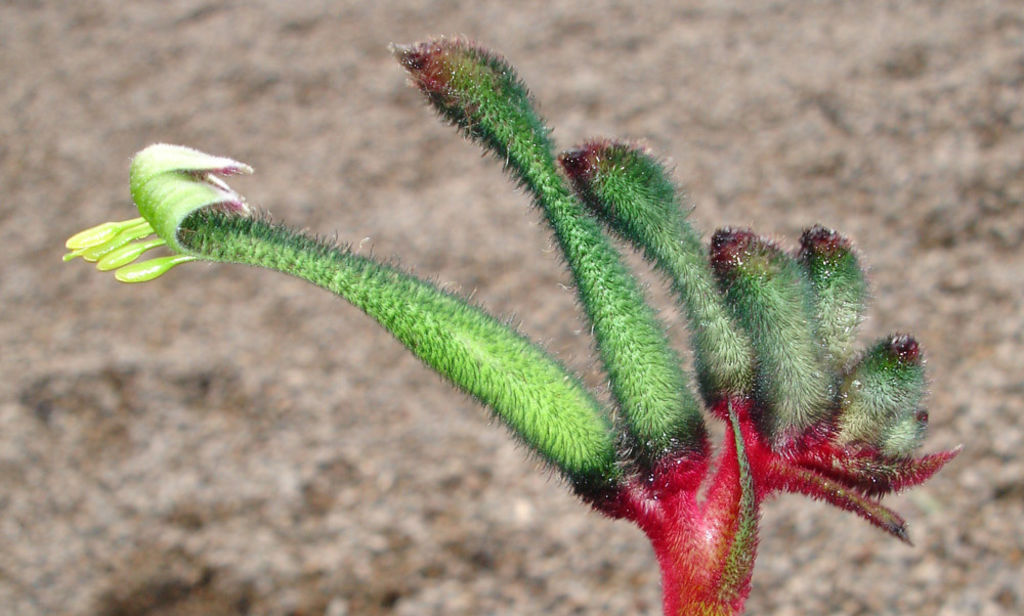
(706, 549)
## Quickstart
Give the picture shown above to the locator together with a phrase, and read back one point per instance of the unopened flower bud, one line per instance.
(881, 396)
(840, 290)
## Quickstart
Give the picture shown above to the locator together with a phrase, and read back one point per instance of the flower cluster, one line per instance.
(773, 333)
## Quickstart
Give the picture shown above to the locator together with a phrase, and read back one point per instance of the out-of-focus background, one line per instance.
(231, 441)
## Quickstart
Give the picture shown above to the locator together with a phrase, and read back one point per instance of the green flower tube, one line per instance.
(771, 298)
(195, 215)
(840, 290)
(631, 193)
(881, 398)
(481, 94)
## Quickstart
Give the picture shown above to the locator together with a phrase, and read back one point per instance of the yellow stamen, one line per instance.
(126, 254)
(100, 234)
(148, 270)
(126, 234)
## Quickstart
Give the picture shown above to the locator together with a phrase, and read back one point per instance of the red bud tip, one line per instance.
(578, 164)
(905, 348)
(819, 240)
(426, 63)
(729, 247)
(581, 163)
(412, 57)
(433, 64)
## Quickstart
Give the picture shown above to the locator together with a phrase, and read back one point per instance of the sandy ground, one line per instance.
(229, 441)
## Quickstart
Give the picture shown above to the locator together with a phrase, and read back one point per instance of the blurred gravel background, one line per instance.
(229, 441)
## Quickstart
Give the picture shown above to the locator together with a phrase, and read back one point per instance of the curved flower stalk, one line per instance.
(772, 334)
(196, 215)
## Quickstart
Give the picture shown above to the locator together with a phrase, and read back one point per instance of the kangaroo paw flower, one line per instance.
(168, 182)
(773, 333)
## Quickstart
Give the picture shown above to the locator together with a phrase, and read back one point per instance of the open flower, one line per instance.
(168, 182)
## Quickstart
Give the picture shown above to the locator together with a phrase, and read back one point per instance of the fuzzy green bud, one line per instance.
(481, 94)
(904, 438)
(840, 290)
(770, 297)
(881, 397)
(631, 192)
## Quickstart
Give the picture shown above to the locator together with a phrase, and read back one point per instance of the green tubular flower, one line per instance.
(771, 298)
(840, 290)
(630, 192)
(169, 181)
(480, 93)
(881, 397)
(196, 216)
